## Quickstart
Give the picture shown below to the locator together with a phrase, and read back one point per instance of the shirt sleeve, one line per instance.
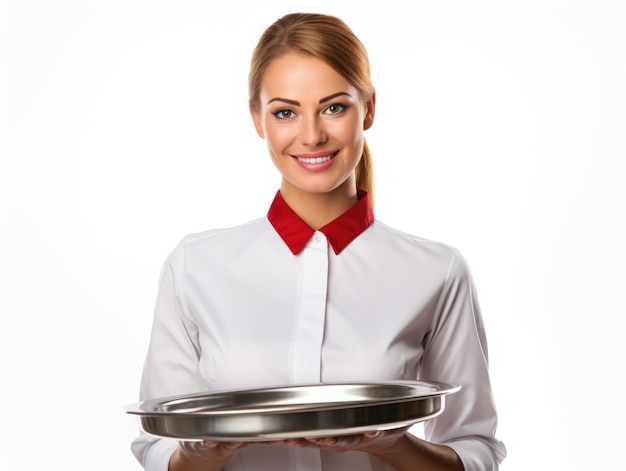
(172, 362)
(456, 352)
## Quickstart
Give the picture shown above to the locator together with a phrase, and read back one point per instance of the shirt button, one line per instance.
(317, 237)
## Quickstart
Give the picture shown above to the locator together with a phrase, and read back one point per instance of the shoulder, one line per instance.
(412, 244)
(246, 230)
(223, 241)
(442, 258)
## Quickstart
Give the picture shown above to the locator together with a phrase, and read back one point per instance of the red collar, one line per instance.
(339, 232)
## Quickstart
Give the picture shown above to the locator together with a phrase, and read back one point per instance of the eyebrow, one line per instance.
(297, 103)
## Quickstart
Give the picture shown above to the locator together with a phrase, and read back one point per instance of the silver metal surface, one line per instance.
(278, 413)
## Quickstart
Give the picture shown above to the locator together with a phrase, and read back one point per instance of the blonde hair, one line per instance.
(327, 38)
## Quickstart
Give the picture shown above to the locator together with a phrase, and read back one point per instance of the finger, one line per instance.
(303, 442)
(230, 446)
(209, 444)
(347, 441)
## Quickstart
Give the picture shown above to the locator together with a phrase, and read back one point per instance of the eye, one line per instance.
(284, 113)
(335, 108)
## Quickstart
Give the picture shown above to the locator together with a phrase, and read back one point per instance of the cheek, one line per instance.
(354, 140)
(351, 131)
(277, 137)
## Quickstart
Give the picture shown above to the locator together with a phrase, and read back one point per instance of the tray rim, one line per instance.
(145, 408)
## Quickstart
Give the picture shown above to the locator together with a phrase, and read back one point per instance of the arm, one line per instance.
(455, 351)
(172, 367)
(172, 362)
(203, 456)
(402, 450)
(410, 453)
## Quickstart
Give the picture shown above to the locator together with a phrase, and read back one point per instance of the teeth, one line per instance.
(315, 160)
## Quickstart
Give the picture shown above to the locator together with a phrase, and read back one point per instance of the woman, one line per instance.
(319, 290)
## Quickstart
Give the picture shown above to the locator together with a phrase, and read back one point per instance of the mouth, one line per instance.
(315, 159)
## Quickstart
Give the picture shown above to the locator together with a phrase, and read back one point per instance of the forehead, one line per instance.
(298, 76)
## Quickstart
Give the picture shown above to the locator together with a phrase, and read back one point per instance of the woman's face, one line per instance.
(313, 121)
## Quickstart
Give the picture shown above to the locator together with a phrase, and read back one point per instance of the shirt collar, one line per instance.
(339, 232)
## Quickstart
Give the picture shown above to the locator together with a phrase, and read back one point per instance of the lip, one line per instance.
(315, 166)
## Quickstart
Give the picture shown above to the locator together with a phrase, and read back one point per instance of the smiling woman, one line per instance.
(319, 290)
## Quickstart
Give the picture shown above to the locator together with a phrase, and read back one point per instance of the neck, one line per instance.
(318, 209)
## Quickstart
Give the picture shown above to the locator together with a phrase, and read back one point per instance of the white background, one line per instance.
(124, 125)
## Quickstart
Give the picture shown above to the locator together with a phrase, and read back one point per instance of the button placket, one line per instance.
(311, 315)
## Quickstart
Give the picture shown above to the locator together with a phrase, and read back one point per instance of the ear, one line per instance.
(256, 119)
(370, 108)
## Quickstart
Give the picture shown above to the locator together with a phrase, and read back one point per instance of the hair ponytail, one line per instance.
(365, 172)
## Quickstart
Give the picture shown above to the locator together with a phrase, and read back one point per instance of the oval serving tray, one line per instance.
(295, 411)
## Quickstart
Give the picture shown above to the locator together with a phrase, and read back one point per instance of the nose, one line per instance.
(312, 131)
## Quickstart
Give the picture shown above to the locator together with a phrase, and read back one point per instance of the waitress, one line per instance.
(319, 290)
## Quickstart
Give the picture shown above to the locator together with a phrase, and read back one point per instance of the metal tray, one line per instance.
(297, 411)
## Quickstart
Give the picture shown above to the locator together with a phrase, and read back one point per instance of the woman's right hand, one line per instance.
(205, 455)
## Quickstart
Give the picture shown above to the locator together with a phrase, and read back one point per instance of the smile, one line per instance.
(315, 159)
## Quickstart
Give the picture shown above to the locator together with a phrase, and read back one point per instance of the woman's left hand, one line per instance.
(375, 442)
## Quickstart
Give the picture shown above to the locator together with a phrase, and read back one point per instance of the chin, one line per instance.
(317, 188)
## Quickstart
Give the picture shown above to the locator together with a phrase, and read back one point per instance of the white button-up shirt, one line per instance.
(274, 302)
